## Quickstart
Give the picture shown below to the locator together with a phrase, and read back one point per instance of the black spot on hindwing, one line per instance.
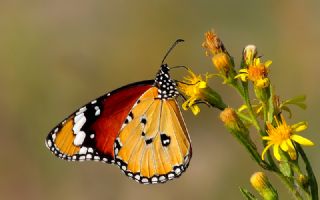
(165, 139)
(149, 141)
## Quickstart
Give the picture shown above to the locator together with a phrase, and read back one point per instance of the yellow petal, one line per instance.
(265, 150)
(242, 108)
(290, 145)
(284, 146)
(292, 153)
(301, 126)
(262, 83)
(259, 109)
(195, 109)
(243, 71)
(266, 138)
(268, 63)
(276, 152)
(301, 140)
(202, 84)
(244, 77)
(256, 61)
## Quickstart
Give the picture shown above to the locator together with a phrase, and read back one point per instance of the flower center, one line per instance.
(257, 72)
(280, 133)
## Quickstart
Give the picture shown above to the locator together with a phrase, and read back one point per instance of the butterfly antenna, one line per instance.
(174, 44)
(175, 67)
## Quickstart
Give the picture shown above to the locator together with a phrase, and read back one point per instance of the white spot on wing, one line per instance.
(83, 150)
(177, 171)
(90, 150)
(78, 117)
(137, 177)
(78, 140)
(78, 125)
(170, 176)
(89, 156)
(49, 143)
(81, 110)
(97, 111)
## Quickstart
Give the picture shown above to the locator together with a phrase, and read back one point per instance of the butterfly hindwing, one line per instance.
(154, 146)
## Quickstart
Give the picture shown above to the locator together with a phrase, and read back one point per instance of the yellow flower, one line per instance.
(282, 136)
(192, 87)
(257, 73)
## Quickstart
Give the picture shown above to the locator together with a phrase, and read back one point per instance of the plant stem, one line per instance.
(290, 186)
(312, 179)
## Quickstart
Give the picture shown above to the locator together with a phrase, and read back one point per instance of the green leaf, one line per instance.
(297, 101)
(284, 165)
(247, 195)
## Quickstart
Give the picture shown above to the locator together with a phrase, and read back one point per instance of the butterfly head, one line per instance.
(167, 88)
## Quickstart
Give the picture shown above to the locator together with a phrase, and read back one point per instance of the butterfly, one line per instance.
(138, 127)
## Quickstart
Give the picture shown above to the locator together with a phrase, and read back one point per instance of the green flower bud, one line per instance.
(260, 182)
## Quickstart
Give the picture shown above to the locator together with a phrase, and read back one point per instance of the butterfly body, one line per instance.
(138, 127)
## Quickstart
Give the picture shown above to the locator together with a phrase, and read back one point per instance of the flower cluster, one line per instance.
(282, 145)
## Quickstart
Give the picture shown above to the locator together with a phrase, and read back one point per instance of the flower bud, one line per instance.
(303, 180)
(260, 182)
(231, 120)
(249, 53)
(222, 62)
(212, 43)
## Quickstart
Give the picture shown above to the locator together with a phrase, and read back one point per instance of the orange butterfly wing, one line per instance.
(154, 146)
(90, 132)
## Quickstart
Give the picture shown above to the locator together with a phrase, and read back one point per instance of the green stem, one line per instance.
(251, 148)
(312, 179)
(297, 170)
(290, 186)
(244, 117)
(251, 112)
(238, 88)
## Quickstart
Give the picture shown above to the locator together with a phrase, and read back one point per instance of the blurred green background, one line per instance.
(57, 55)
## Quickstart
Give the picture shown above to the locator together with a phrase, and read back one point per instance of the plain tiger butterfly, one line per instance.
(138, 127)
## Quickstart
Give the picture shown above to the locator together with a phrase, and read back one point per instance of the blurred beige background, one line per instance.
(57, 55)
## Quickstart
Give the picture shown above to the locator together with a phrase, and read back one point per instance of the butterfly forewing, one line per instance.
(90, 132)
